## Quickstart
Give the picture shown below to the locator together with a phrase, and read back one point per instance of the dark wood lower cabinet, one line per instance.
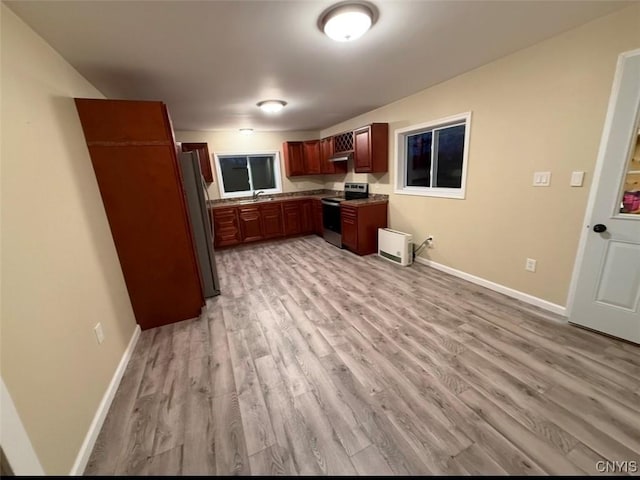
(271, 221)
(291, 216)
(360, 226)
(316, 208)
(250, 224)
(225, 226)
(349, 217)
(306, 217)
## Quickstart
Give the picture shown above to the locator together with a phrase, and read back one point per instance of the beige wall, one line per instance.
(235, 142)
(540, 109)
(60, 272)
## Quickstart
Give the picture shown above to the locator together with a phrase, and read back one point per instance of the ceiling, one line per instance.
(212, 61)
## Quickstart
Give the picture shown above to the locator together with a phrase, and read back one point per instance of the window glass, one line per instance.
(244, 174)
(419, 159)
(450, 157)
(431, 157)
(235, 174)
(262, 172)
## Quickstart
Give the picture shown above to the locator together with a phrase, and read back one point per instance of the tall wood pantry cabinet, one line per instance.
(134, 157)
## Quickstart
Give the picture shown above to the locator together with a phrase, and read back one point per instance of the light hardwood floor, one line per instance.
(317, 361)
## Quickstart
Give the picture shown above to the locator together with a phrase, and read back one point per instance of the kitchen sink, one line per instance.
(257, 200)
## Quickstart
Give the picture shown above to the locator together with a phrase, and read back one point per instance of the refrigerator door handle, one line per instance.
(206, 194)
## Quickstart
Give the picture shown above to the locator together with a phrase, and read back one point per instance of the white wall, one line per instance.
(235, 142)
(539, 109)
(59, 268)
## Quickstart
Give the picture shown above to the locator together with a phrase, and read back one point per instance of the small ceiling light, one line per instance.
(246, 131)
(347, 21)
(272, 106)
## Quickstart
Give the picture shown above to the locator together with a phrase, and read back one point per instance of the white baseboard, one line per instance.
(15, 442)
(94, 429)
(510, 292)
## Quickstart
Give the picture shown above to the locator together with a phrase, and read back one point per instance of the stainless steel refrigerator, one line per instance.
(195, 190)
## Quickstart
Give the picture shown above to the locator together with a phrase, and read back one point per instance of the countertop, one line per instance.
(314, 194)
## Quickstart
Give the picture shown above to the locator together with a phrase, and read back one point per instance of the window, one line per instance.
(242, 174)
(431, 158)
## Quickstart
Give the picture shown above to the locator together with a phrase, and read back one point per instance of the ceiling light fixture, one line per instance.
(246, 131)
(347, 21)
(272, 106)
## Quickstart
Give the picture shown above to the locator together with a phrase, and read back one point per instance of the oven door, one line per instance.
(331, 222)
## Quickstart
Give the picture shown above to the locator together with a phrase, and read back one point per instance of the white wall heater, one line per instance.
(395, 246)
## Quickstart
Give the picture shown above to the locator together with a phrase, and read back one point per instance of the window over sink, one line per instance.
(431, 158)
(242, 174)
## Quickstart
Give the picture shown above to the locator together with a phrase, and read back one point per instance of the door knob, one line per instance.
(599, 228)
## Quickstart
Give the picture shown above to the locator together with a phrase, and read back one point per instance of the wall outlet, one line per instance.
(430, 241)
(530, 265)
(99, 333)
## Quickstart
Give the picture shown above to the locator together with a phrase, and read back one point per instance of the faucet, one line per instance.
(255, 195)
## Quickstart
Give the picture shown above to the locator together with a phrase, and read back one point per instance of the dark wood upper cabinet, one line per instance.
(203, 155)
(326, 151)
(293, 153)
(312, 157)
(125, 121)
(134, 158)
(371, 148)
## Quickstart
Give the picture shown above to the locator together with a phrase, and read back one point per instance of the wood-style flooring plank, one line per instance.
(314, 361)
(230, 444)
(104, 457)
(553, 461)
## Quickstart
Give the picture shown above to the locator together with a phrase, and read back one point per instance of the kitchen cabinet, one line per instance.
(134, 157)
(311, 156)
(250, 224)
(271, 216)
(349, 218)
(291, 218)
(316, 207)
(293, 153)
(225, 226)
(306, 217)
(203, 156)
(371, 148)
(326, 165)
(360, 225)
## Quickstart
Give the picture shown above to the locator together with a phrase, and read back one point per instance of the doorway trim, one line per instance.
(14, 439)
(597, 172)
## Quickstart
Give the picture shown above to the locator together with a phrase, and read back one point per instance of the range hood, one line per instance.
(340, 157)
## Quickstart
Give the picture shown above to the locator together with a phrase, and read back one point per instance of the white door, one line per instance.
(607, 288)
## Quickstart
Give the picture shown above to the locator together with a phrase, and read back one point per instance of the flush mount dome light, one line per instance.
(345, 22)
(246, 131)
(272, 106)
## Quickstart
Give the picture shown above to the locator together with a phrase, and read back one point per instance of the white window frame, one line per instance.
(245, 193)
(401, 135)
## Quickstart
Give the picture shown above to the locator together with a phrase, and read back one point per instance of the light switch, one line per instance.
(541, 179)
(577, 178)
